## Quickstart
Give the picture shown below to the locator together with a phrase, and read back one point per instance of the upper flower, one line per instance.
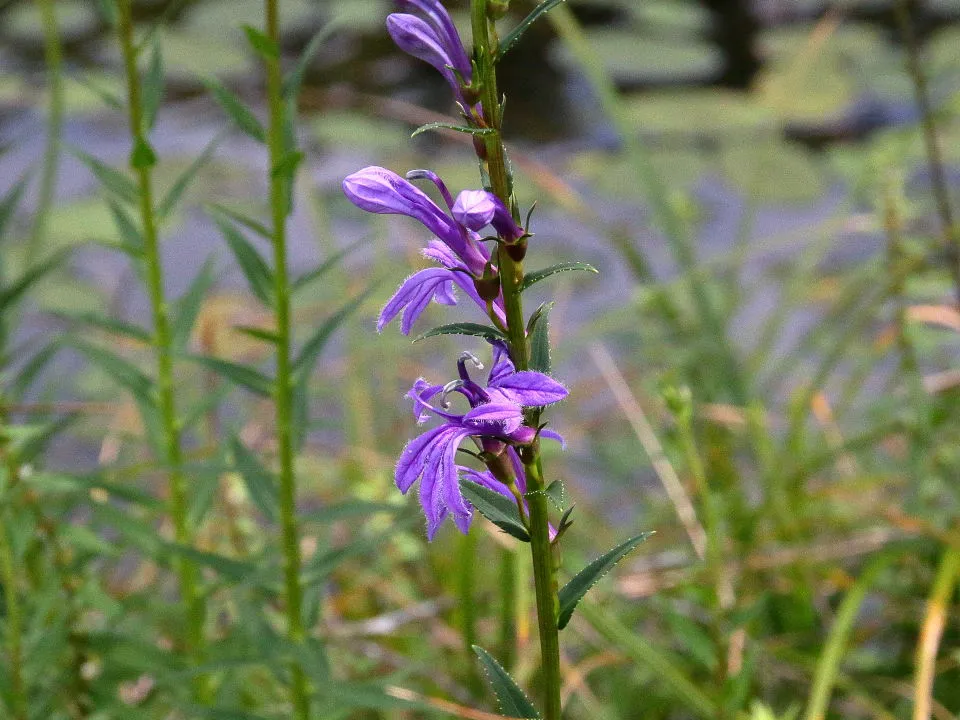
(433, 39)
(494, 420)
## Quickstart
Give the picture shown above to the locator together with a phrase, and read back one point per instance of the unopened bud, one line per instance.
(517, 250)
(488, 286)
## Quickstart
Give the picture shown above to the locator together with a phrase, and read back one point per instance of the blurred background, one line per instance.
(771, 341)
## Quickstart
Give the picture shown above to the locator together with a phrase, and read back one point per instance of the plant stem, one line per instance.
(14, 625)
(53, 55)
(283, 386)
(186, 568)
(938, 178)
(511, 276)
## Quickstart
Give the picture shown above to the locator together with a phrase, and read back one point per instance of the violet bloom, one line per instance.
(459, 249)
(495, 421)
(432, 38)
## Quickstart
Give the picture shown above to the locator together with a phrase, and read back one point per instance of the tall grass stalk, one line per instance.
(511, 275)
(53, 56)
(931, 632)
(283, 385)
(142, 160)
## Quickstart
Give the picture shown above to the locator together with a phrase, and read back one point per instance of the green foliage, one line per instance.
(513, 702)
(496, 508)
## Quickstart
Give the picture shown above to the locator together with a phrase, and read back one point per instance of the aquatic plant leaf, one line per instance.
(464, 328)
(256, 478)
(497, 508)
(573, 591)
(242, 375)
(254, 267)
(532, 278)
(540, 339)
(241, 115)
(514, 703)
(477, 132)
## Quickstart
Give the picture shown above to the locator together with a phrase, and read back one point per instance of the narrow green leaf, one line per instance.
(476, 132)
(510, 40)
(13, 292)
(267, 336)
(580, 584)
(513, 701)
(244, 220)
(110, 178)
(31, 369)
(540, 340)
(307, 357)
(293, 81)
(247, 377)
(498, 509)
(257, 479)
(181, 184)
(106, 96)
(153, 84)
(119, 369)
(130, 237)
(533, 278)
(557, 494)
(318, 272)
(27, 448)
(264, 46)
(239, 113)
(254, 267)
(464, 328)
(229, 568)
(10, 203)
(188, 306)
(109, 325)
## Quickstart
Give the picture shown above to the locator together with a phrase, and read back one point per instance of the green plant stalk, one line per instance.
(941, 189)
(926, 657)
(828, 666)
(283, 386)
(53, 56)
(511, 276)
(14, 627)
(186, 568)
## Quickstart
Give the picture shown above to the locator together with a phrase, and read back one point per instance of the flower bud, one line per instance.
(517, 250)
(488, 286)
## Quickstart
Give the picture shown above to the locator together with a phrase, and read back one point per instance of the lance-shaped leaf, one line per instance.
(264, 46)
(512, 700)
(131, 239)
(254, 267)
(573, 591)
(10, 202)
(497, 508)
(510, 40)
(533, 278)
(153, 84)
(258, 481)
(245, 220)
(188, 305)
(181, 184)
(476, 132)
(292, 82)
(109, 325)
(322, 269)
(112, 179)
(243, 375)
(540, 339)
(557, 494)
(464, 328)
(13, 292)
(121, 370)
(241, 115)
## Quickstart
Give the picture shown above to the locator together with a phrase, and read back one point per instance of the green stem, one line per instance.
(186, 568)
(511, 276)
(53, 55)
(933, 624)
(283, 387)
(14, 628)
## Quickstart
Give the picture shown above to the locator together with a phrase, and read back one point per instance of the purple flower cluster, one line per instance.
(494, 421)
(458, 247)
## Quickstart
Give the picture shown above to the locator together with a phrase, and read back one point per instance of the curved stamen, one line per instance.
(450, 387)
(465, 357)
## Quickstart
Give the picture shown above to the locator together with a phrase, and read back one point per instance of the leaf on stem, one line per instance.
(243, 375)
(10, 202)
(510, 40)
(110, 178)
(557, 494)
(13, 292)
(254, 267)
(258, 481)
(131, 239)
(188, 305)
(241, 115)
(318, 272)
(170, 200)
(498, 509)
(121, 370)
(573, 591)
(245, 220)
(108, 325)
(464, 328)
(265, 47)
(153, 84)
(512, 700)
(476, 132)
(540, 339)
(533, 278)
(291, 84)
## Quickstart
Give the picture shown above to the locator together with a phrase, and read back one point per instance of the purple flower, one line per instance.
(459, 249)
(494, 420)
(433, 40)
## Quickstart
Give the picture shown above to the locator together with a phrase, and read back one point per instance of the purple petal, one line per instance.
(529, 388)
(416, 37)
(475, 208)
(412, 457)
(553, 435)
(441, 21)
(502, 364)
(435, 179)
(508, 414)
(421, 394)
(415, 293)
(441, 253)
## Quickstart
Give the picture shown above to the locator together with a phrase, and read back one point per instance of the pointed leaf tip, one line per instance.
(513, 701)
